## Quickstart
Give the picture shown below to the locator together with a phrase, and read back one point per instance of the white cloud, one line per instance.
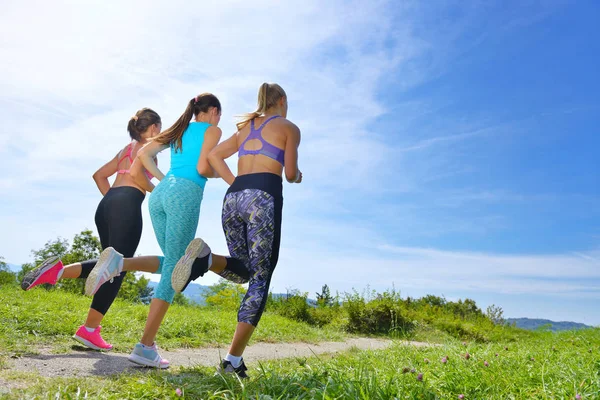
(72, 73)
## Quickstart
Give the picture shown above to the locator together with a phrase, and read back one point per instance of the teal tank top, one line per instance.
(184, 162)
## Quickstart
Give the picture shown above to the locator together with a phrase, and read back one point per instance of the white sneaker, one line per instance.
(148, 356)
(109, 265)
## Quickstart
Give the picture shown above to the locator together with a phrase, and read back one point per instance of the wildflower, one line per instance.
(506, 348)
(461, 396)
(486, 364)
(412, 371)
(405, 370)
(532, 359)
(578, 396)
(178, 392)
(420, 377)
(467, 356)
(464, 343)
(496, 354)
(444, 360)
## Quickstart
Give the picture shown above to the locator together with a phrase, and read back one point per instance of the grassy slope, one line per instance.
(539, 365)
(50, 318)
(547, 366)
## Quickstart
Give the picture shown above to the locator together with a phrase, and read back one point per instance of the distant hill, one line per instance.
(194, 292)
(533, 324)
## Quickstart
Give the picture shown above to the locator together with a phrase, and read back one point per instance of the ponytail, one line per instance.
(268, 96)
(200, 103)
(141, 121)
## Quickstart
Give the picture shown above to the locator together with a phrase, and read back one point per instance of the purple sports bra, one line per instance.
(267, 148)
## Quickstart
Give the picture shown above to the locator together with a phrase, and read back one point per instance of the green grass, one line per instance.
(39, 317)
(548, 366)
(528, 365)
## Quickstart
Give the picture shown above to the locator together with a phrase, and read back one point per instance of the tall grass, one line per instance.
(49, 318)
(543, 366)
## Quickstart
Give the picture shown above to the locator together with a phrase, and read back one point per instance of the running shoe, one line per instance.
(93, 340)
(195, 263)
(109, 265)
(46, 272)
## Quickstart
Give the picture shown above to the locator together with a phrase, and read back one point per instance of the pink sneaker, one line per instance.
(46, 272)
(93, 340)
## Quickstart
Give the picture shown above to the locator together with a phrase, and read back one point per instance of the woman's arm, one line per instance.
(147, 156)
(292, 173)
(137, 173)
(219, 154)
(107, 170)
(211, 138)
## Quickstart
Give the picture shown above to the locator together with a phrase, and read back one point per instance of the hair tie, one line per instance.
(135, 118)
(195, 99)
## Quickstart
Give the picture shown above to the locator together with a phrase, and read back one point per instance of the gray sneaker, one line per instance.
(108, 266)
(148, 356)
(195, 262)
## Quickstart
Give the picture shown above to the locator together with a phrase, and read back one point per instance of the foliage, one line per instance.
(224, 295)
(7, 277)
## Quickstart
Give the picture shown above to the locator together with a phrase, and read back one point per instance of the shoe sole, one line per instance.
(134, 358)
(183, 268)
(89, 344)
(92, 284)
(32, 276)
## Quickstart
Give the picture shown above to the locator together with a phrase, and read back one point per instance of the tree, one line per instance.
(7, 277)
(224, 295)
(181, 300)
(495, 314)
(324, 298)
(85, 246)
(58, 247)
(135, 289)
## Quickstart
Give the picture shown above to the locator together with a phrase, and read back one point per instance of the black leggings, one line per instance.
(252, 224)
(119, 223)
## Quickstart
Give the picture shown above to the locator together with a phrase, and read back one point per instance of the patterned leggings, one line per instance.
(252, 224)
(174, 209)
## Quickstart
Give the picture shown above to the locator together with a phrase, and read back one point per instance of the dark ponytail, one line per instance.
(200, 103)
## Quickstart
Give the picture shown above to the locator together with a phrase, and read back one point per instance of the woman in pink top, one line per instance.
(119, 223)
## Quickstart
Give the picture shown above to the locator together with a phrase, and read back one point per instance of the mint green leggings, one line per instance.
(174, 210)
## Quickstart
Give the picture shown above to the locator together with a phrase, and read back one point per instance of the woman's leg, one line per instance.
(182, 206)
(123, 216)
(262, 218)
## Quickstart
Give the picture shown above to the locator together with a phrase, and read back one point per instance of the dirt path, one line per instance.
(89, 362)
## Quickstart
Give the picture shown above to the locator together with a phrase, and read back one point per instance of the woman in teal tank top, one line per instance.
(175, 204)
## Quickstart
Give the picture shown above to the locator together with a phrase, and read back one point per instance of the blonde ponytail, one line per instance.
(268, 96)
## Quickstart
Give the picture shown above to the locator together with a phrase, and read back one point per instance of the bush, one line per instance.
(7, 277)
(224, 295)
(293, 306)
(383, 314)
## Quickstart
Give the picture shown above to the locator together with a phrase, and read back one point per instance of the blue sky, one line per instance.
(447, 149)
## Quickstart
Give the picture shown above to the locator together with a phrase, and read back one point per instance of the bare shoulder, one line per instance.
(214, 130)
(291, 130)
(124, 149)
(288, 126)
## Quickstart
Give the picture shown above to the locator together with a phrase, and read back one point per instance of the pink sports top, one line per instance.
(128, 155)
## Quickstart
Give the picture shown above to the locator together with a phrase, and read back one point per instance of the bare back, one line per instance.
(275, 133)
(124, 160)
